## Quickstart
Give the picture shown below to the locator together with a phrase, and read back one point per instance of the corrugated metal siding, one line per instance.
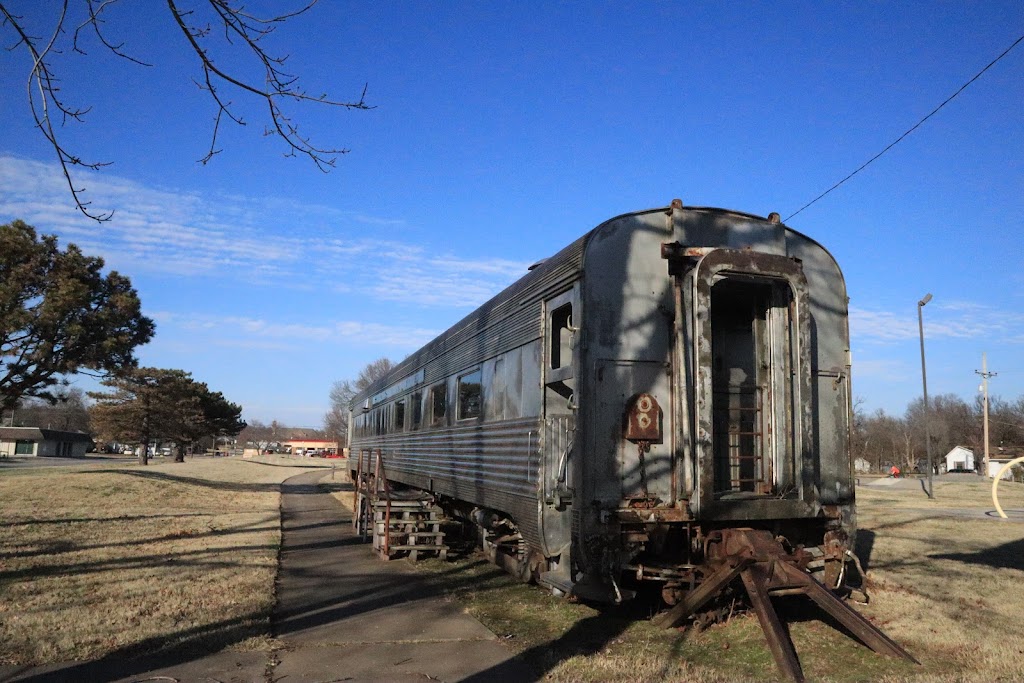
(491, 465)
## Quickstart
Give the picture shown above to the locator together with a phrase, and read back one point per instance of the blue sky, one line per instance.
(501, 132)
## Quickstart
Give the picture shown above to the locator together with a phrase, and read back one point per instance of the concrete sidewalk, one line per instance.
(341, 615)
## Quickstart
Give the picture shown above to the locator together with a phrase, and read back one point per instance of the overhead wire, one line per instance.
(911, 129)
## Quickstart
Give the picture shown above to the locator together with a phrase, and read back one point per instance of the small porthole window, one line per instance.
(470, 395)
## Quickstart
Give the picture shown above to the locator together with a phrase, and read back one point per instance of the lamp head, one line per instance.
(926, 299)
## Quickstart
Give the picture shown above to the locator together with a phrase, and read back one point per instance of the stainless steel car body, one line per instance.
(671, 372)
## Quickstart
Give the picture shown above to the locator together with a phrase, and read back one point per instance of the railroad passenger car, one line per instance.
(671, 374)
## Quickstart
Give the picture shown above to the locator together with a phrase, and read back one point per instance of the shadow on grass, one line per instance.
(863, 547)
(156, 653)
(586, 637)
(84, 520)
(318, 465)
(233, 486)
(1006, 556)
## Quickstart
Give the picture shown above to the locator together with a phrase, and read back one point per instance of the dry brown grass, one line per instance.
(948, 576)
(947, 583)
(123, 558)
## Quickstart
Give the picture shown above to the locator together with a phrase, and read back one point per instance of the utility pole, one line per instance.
(985, 375)
(924, 385)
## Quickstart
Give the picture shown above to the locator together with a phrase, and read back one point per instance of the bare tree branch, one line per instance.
(242, 31)
(94, 21)
(43, 92)
(249, 30)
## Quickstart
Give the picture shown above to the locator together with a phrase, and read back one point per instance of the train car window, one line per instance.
(561, 336)
(470, 395)
(438, 403)
(417, 409)
(400, 416)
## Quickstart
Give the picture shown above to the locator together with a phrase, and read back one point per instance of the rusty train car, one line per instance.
(608, 419)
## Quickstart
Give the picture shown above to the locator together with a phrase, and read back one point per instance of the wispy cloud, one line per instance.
(187, 234)
(259, 333)
(888, 370)
(952, 320)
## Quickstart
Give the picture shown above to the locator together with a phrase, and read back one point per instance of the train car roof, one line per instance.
(535, 284)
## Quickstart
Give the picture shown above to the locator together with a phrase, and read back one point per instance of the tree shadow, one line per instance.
(156, 653)
(322, 466)
(585, 638)
(208, 483)
(863, 546)
(84, 520)
(1009, 555)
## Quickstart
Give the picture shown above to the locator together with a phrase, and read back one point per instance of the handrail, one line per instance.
(381, 479)
(359, 478)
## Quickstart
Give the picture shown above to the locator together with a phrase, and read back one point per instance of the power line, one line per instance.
(910, 130)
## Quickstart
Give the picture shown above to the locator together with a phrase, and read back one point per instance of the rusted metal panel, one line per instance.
(643, 419)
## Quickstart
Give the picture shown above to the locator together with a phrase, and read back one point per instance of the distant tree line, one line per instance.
(883, 439)
(151, 404)
(60, 315)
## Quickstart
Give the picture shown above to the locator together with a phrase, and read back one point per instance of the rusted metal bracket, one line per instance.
(711, 586)
(766, 569)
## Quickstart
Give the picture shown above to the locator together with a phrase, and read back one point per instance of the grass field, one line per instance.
(125, 559)
(120, 559)
(947, 586)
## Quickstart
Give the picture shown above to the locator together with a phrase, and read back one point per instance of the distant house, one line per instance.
(861, 466)
(1001, 456)
(996, 464)
(959, 458)
(309, 447)
(38, 442)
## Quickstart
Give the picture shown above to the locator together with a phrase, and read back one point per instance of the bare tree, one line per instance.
(260, 434)
(69, 411)
(218, 32)
(342, 392)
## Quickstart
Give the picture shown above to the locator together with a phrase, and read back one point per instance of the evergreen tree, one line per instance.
(59, 315)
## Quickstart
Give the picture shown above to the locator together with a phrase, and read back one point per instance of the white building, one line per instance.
(36, 442)
(959, 458)
(996, 464)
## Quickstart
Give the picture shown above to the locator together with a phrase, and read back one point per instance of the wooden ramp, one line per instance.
(410, 527)
(401, 523)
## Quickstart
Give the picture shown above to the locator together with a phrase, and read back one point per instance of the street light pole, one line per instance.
(924, 384)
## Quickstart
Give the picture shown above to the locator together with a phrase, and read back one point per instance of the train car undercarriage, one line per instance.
(704, 574)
